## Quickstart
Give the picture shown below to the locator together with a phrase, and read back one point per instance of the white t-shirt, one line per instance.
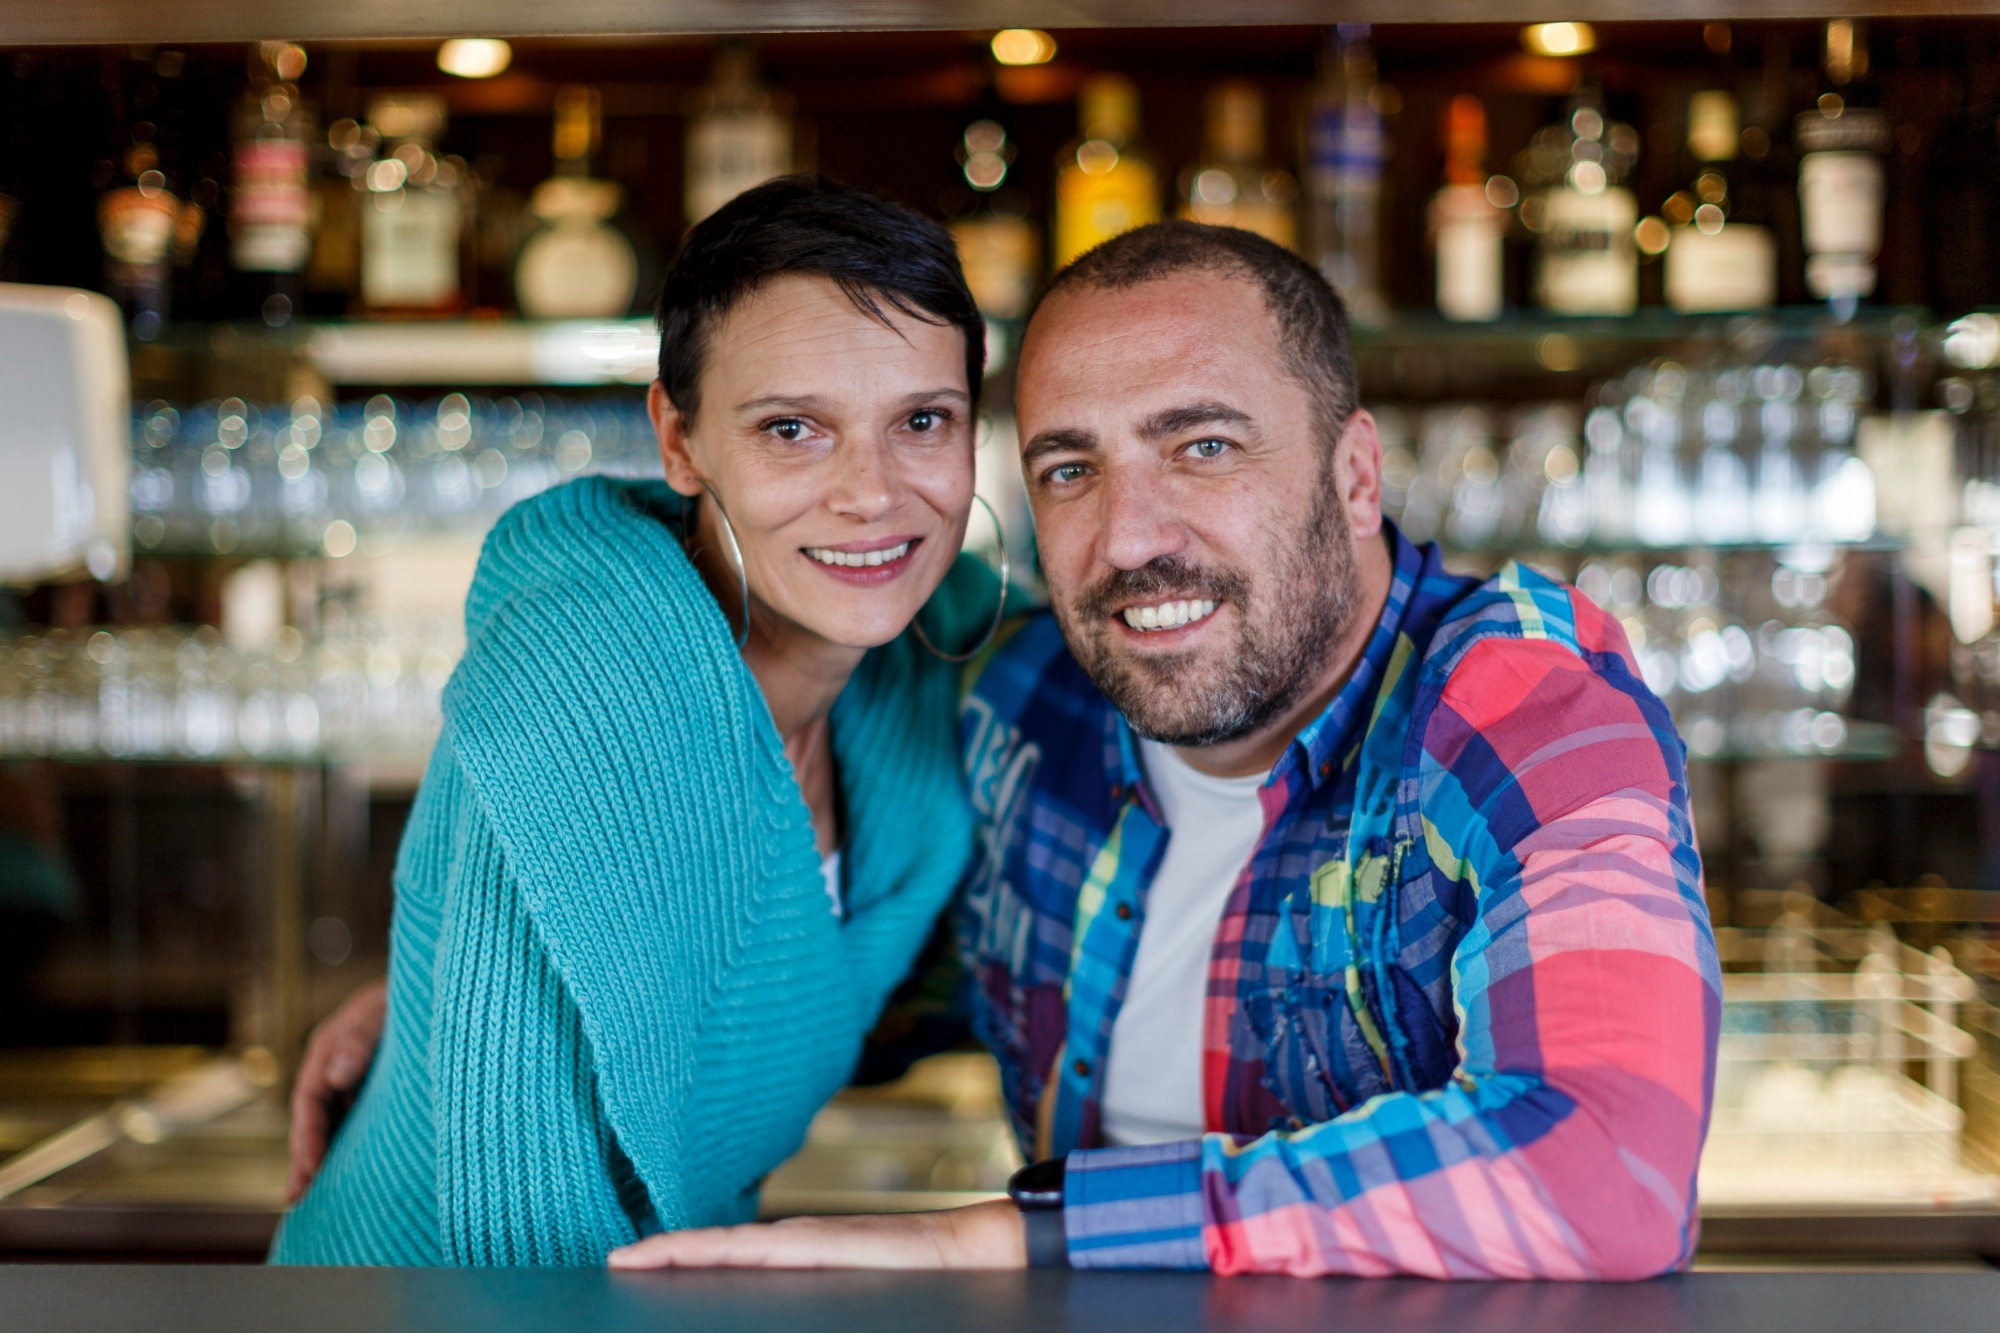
(1152, 1075)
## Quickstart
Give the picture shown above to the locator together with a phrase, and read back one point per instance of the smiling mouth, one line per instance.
(857, 559)
(1168, 615)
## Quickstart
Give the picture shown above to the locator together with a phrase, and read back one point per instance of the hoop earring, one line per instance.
(736, 552)
(999, 611)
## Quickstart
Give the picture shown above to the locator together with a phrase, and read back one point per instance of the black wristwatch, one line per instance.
(1037, 1190)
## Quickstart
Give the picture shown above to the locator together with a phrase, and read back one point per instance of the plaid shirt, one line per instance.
(1463, 1003)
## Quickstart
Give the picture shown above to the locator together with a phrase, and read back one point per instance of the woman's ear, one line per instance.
(671, 428)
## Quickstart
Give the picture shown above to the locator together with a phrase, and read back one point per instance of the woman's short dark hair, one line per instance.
(873, 249)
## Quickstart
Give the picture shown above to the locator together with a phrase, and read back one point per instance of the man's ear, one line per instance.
(671, 428)
(1358, 464)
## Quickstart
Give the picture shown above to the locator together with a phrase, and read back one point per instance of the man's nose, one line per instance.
(1136, 522)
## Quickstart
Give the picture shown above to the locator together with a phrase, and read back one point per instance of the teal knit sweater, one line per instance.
(613, 966)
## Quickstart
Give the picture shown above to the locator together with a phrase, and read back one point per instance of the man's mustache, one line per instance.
(1159, 580)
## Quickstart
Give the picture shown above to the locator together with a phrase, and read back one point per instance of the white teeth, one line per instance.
(1168, 615)
(857, 559)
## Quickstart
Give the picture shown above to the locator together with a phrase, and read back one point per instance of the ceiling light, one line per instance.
(1559, 39)
(1023, 46)
(474, 57)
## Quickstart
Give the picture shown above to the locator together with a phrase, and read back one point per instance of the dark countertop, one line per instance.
(201, 1299)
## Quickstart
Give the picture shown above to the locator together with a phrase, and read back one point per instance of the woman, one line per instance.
(687, 717)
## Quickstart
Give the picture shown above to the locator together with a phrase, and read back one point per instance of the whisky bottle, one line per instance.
(136, 221)
(578, 266)
(739, 134)
(997, 245)
(1841, 144)
(1589, 260)
(1713, 262)
(270, 203)
(1468, 218)
(1234, 185)
(1345, 147)
(1106, 183)
(414, 216)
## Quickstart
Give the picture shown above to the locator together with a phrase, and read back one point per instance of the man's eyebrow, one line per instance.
(1174, 420)
(1058, 442)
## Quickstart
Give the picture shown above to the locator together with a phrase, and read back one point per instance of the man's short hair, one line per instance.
(1312, 321)
(876, 251)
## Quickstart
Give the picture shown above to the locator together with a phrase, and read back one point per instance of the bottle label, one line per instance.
(1344, 142)
(728, 154)
(270, 208)
(576, 271)
(137, 225)
(1590, 264)
(1468, 253)
(999, 257)
(409, 249)
(1091, 208)
(1735, 269)
(1841, 197)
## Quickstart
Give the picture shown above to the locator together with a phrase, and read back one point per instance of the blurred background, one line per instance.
(1700, 316)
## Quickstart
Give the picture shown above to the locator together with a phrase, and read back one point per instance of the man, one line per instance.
(1335, 914)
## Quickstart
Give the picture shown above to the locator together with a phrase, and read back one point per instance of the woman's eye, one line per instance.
(924, 422)
(790, 428)
(1207, 448)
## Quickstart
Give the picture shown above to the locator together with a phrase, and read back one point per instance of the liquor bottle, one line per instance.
(997, 244)
(1233, 185)
(270, 205)
(1345, 148)
(1589, 261)
(1468, 222)
(739, 134)
(1841, 144)
(1106, 183)
(333, 274)
(1714, 263)
(578, 266)
(411, 224)
(136, 222)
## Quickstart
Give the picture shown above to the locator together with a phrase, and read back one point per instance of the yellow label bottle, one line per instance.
(1106, 183)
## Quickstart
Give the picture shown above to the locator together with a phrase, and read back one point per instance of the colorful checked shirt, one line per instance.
(1462, 1006)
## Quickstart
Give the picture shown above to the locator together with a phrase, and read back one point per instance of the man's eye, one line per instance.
(1207, 448)
(1064, 472)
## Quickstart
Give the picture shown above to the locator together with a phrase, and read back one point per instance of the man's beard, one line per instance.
(1290, 624)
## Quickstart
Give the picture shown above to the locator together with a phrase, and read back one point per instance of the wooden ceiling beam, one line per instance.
(53, 22)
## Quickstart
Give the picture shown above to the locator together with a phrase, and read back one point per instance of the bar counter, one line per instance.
(198, 1299)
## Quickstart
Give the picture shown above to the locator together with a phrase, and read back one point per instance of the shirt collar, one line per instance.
(1319, 748)
(1323, 745)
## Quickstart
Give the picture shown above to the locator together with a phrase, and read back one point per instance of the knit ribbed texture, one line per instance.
(611, 933)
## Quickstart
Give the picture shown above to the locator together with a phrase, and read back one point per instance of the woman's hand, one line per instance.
(984, 1235)
(337, 1056)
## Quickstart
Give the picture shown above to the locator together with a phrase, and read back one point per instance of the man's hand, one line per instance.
(984, 1235)
(338, 1054)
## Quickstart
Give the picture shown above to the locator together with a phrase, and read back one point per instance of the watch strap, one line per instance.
(1048, 1240)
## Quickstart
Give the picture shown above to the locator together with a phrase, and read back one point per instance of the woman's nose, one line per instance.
(863, 485)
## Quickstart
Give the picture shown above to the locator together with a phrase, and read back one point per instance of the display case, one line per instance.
(1783, 491)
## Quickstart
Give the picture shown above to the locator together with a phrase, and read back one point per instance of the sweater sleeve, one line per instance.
(528, 1186)
(1565, 1143)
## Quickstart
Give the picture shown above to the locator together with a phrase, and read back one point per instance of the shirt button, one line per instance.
(1326, 768)
(1124, 911)
(1117, 791)
(1082, 1068)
